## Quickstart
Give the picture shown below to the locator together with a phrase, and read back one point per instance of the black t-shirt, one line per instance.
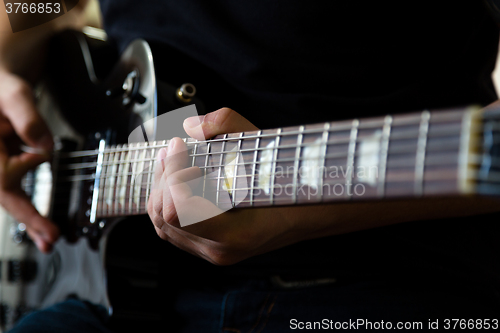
(288, 62)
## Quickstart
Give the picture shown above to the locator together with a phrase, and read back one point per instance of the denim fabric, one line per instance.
(271, 305)
(72, 315)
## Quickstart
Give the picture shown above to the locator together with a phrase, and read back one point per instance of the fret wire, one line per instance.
(140, 173)
(220, 170)
(205, 169)
(102, 200)
(195, 151)
(95, 194)
(296, 164)
(124, 184)
(132, 179)
(275, 157)
(235, 173)
(351, 155)
(114, 171)
(256, 152)
(384, 148)
(324, 149)
(151, 170)
(420, 156)
(338, 128)
(107, 179)
(117, 182)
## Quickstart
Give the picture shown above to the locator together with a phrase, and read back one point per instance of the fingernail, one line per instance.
(171, 145)
(161, 154)
(192, 122)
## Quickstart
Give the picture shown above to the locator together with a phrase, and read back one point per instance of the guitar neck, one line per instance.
(413, 155)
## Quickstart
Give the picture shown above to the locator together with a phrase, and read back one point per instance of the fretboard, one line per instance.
(412, 155)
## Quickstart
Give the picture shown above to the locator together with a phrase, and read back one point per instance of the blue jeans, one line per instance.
(279, 305)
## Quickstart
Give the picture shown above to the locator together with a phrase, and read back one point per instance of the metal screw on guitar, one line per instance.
(186, 92)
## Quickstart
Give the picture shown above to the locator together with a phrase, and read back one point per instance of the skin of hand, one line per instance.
(238, 234)
(21, 62)
(226, 238)
(20, 121)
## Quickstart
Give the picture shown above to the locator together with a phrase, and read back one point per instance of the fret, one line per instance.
(102, 200)
(139, 176)
(116, 180)
(420, 157)
(296, 165)
(205, 168)
(132, 178)
(95, 194)
(233, 196)
(104, 183)
(195, 151)
(149, 177)
(324, 147)
(110, 180)
(221, 166)
(351, 155)
(123, 172)
(384, 148)
(256, 152)
(273, 168)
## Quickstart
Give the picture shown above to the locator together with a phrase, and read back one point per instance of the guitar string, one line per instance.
(400, 151)
(103, 203)
(143, 197)
(109, 161)
(495, 178)
(363, 125)
(108, 175)
(319, 131)
(116, 209)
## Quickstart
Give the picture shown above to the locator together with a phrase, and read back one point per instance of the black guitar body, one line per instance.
(90, 94)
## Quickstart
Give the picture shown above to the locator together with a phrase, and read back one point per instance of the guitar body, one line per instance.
(89, 95)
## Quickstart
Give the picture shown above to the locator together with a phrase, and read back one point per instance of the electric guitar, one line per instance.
(102, 169)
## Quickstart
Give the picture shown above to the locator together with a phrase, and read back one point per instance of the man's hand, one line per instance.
(225, 238)
(20, 122)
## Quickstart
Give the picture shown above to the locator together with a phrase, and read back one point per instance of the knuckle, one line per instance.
(18, 89)
(219, 117)
(168, 212)
(224, 115)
